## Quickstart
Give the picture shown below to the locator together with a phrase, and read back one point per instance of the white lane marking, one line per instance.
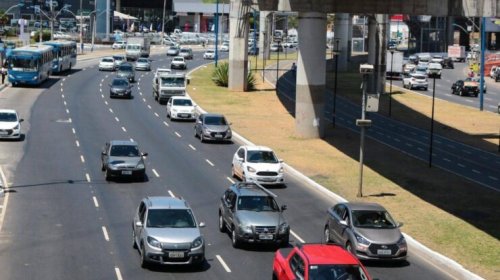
(111, 110)
(64, 102)
(451, 146)
(144, 99)
(420, 149)
(124, 130)
(82, 159)
(192, 147)
(409, 145)
(223, 263)
(149, 106)
(446, 159)
(156, 114)
(165, 123)
(447, 94)
(118, 274)
(67, 111)
(102, 95)
(74, 131)
(171, 193)
(61, 89)
(209, 162)
(117, 119)
(106, 102)
(100, 90)
(140, 93)
(470, 101)
(491, 177)
(461, 165)
(230, 180)
(437, 141)
(96, 204)
(178, 135)
(6, 198)
(131, 139)
(297, 236)
(100, 85)
(62, 95)
(87, 176)
(64, 80)
(105, 232)
(77, 143)
(476, 171)
(156, 173)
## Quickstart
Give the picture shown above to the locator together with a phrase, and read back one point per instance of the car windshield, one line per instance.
(215, 120)
(418, 77)
(142, 60)
(126, 68)
(184, 51)
(210, 52)
(257, 203)
(8, 117)
(173, 49)
(170, 218)
(261, 157)
(372, 219)
(180, 59)
(172, 81)
(120, 82)
(118, 58)
(183, 102)
(124, 151)
(133, 47)
(107, 60)
(336, 272)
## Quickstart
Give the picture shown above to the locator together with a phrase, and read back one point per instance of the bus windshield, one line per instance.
(24, 64)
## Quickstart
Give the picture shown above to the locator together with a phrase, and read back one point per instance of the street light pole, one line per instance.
(216, 32)
(432, 121)
(335, 83)
(163, 23)
(51, 21)
(362, 139)
(81, 26)
(390, 87)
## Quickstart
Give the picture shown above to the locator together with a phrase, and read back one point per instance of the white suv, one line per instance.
(416, 81)
(258, 164)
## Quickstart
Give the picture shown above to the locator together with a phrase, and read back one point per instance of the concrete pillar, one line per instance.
(264, 33)
(450, 31)
(382, 38)
(311, 68)
(197, 21)
(341, 32)
(238, 44)
(118, 5)
(372, 49)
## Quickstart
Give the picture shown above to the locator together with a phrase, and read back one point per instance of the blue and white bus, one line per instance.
(64, 53)
(30, 65)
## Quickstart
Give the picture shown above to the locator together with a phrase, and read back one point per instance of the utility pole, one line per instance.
(163, 23)
(51, 21)
(365, 70)
(81, 26)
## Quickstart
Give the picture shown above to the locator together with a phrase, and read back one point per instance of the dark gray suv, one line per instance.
(126, 70)
(251, 215)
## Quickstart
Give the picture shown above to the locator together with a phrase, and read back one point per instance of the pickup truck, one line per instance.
(317, 261)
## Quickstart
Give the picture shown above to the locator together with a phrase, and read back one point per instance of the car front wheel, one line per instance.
(327, 235)
(222, 225)
(144, 262)
(234, 239)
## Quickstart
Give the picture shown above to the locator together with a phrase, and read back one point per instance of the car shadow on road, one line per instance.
(61, 182)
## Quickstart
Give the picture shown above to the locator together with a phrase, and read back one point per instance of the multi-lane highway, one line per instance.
(63, 220)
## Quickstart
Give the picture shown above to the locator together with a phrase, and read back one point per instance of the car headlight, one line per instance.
(35, 78)
(246, 229)
(197, 243)
(174, 110)
(362, 242)
(140, 165)
(283, 228)
(206, 130)
(17, 126)
(250, 169)
(402, 243)
(11, 77)
(153, 242)
(281, 170)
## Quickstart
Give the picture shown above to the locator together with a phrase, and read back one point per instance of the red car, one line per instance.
(317, 262)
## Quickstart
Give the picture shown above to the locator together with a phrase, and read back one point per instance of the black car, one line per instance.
(120, 87)
(126, 70)
(447, 63)
(462, 87)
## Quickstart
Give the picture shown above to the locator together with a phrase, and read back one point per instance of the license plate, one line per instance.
(3, 133)
(267, 179)
(265, 236)
(218, 135)
(126, 172)
(383, 252)
(176, 254)
(184, 115)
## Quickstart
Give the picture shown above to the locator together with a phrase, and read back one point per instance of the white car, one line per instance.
(416, 81)
(10, 124)
(162, 70)
(224, 47)
(258, 164)
(107, 63)
(209, 54)
(409, 67)
(119, 45)
(434, 70)
(178, 62)
(119, 59)
(181, 107)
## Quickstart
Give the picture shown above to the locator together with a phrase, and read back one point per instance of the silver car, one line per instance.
(165, 231)
(249, 212)
(365, 229)
(213, 127)
(143, 64)
(122, 158)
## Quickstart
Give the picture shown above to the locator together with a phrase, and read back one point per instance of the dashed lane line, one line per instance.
(230, 180)
(171, 193)
(77, 143)
(156, 114)
(178, 135)
(5, 184)
(73, 130)
(87, 176)
(118, 274)
(105, 232)
(223, 263)
(105, 102)
(192, 147)
(209, 162)
(111, 110)
(156, 173)
(165, 123)
(82, 159)
(297, 236)
(67, 111)
(124, 130)
(96, 204)
(117, 119)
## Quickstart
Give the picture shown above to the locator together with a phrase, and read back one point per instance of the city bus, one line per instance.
(64, 54)
(30, 65)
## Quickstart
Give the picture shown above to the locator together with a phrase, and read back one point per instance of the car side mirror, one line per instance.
(283, 207)
(21, 120)
(343, 222)
(400, 224)
(281, 160)
(202, 224)
(103, 153)
(188, 81)
(138, 224)
(144, 154)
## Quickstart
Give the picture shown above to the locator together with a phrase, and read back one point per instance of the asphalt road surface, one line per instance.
(464, 160)
(64, 221)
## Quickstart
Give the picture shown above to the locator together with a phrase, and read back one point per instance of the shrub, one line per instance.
(220, 76)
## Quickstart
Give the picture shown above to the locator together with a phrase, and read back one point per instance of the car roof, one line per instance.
(248, 189)
(179, 97)
(8, 111)
(212, 115)
(327, 254)
(257, 148)
(123, 142)
(365, 206)
(120, 78)
(166, 202)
